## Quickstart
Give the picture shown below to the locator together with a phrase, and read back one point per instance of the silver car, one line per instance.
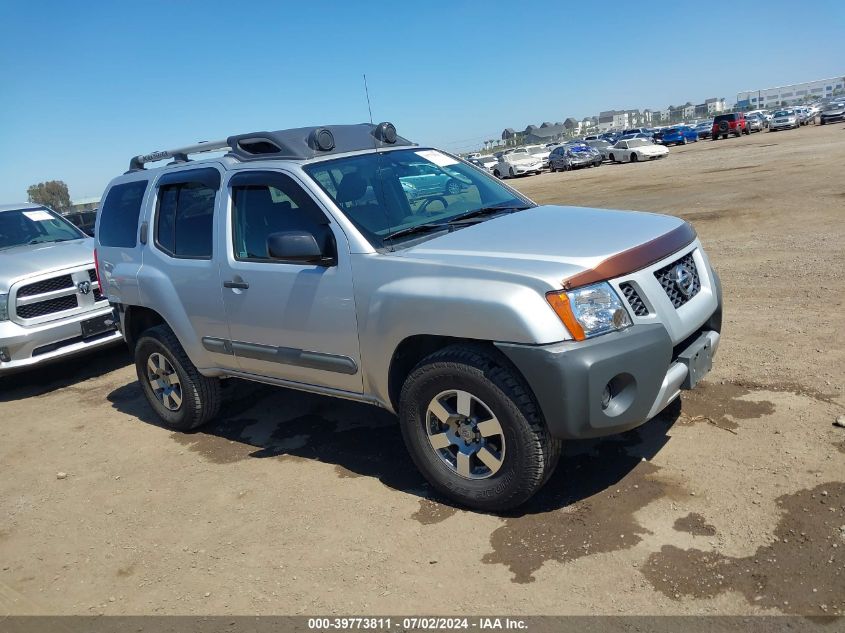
(51, 305)
(493, 327)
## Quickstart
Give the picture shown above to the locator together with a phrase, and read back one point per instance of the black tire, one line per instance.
(529, 452)
(510, 172)
(634, 158)
(200, 395)
(497, 174)
(612, 158)
(715, 137)
(453, 188)
(683, 140)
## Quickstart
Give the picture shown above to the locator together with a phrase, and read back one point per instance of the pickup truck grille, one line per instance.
(634, 299)
(57, 297)
(42, 308)
(664, 276)
(47, 285)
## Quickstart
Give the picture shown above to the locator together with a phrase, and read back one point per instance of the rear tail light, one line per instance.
(97, 269)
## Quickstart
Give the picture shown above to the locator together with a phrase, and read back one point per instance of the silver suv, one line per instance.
(50, 300)
(494, 328)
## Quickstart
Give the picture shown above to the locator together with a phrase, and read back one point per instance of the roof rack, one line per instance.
(180, 154)
(296, 144)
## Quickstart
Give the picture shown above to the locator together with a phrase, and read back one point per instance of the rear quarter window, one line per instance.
(120, 213)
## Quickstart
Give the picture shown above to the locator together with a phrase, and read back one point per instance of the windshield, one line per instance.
(784, 113)
(34, 226)
(387, 192)
(637, 142)
(534, 149)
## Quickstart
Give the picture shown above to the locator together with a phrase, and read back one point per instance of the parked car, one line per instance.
(677, 135)
(574, 156)
(539, 152)
(490, 328)
(83, 220)
(636, 149)
(731, 123)
(602, 146)
(755, 122)
(832, 112)
(51, 306)
(485, 162)
(787, 119)
(424, 179)
(517, 164)
(641, 135)
(805, 115)
(704, 129)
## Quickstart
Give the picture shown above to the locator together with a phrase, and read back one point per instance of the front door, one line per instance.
(290, 321)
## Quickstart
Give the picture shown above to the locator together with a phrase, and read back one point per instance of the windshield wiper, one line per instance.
(487, 211)
(419, 228)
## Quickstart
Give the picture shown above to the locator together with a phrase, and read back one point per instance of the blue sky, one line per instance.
(86, 85)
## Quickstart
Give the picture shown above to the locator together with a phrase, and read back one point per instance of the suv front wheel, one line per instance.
(472, 428)
(182, 397)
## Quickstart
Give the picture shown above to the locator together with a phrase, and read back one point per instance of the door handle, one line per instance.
(240, 285)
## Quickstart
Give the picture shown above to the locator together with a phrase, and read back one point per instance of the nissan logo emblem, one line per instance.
(683, 278)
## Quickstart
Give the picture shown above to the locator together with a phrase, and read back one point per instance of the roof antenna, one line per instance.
(367, 92)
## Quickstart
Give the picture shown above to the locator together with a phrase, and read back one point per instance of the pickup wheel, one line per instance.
(474, 431)
(182, 397)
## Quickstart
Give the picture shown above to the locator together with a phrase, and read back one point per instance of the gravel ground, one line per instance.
(731, 502)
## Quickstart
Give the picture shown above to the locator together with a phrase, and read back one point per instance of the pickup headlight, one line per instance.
(589, 311)
(4, 307)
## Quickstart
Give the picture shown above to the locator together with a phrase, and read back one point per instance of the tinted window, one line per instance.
(259, 210)
(185, 219)
(119, 214)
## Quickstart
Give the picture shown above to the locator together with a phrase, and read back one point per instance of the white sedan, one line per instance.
(634, 150)
(517, 164)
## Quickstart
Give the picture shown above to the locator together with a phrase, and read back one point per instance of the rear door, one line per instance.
(180, 275)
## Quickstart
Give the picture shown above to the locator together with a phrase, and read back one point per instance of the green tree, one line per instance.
(53, 194)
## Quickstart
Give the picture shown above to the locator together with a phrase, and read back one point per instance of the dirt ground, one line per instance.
(731, 502)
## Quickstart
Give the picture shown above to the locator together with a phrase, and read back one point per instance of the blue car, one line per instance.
(678, 135)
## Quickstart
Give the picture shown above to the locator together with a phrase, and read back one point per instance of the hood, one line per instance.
(549, 242)
(26, 261)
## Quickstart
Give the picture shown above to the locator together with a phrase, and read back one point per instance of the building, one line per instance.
(613, 120)
(714, 105)
(546, 133)
(793, 93)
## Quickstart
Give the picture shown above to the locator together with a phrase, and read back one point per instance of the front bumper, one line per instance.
(832, 118)
(27, 347)
(647, 373)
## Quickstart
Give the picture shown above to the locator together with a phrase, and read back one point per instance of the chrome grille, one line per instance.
(664, 276)
(634, 299)
(40, 300)
(47, 285)
(50, 306)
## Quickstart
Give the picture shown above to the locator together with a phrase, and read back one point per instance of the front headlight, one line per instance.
(4, 307)
(589, 311)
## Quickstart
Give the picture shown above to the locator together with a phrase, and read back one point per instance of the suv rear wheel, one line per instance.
(473, 429)
(182, 397)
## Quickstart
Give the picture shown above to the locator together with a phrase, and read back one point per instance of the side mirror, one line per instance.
(297, 247)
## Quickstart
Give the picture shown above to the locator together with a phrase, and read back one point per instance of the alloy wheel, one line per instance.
(465, 434)
(164, 381)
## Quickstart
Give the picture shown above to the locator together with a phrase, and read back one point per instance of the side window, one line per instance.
(272, 203)
(184, 223)
(120, 213)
